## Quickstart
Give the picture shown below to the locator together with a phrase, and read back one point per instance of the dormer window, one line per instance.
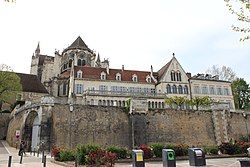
(148, 79)
(103, 76)
(118, 77)
(134, 78)
(79, 74)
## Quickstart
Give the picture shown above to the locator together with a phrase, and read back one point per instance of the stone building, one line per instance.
(79, 74)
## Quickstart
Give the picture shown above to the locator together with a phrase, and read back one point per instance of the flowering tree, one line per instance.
(241, 9)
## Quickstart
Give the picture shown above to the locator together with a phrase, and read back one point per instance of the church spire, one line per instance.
(37, 51)
(98, 61)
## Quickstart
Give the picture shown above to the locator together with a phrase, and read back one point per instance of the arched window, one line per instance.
(104, 102)
(180, 91)
(174, 88)
(173, 76)
(149, 104)
(79, 74)
(83, 62)
(185, 89)
(99, 102)
(79, 62)
(178, 75)
(70, 62)
(169, 89)
(134, 78)
(156, 106)
(159, 105)
(163, 104)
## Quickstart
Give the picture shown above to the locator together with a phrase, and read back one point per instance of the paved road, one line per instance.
(34, 161)
(28, 160)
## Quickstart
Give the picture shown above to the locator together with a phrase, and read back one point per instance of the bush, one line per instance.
(55, 152)
(211, 150)
(228, 148)
(244, 138)
(181, 149)
(101, 157)
(147, 151)
(157, 149)
(121, 153)
(81, 153)
(66, 155)
(242, 147)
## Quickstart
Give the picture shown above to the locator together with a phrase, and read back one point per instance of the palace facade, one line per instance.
(79, 74)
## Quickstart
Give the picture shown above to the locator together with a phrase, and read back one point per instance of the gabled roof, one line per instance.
(164, 69)
(78, 44)
(31, 83)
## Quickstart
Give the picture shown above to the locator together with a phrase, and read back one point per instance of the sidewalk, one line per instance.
(28, 160)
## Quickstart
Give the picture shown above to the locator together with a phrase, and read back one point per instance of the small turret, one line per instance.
(37, 51)
(98, 61)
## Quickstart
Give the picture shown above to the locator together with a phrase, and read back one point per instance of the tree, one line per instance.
(241, 93)
(9, 84)
(176, 100)
(200, 101)
(241, 9)
(224, 73)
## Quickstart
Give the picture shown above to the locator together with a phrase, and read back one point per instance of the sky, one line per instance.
(133, 33)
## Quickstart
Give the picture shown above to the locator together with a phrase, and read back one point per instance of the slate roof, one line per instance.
(163, 69)
(31, 83)
(78, 44)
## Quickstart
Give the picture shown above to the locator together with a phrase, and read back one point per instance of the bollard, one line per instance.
(34, 152)
(21, 158)
(9, 163)
(43, 156)
(44, 161)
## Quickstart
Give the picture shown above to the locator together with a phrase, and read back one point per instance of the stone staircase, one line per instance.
(220, 126)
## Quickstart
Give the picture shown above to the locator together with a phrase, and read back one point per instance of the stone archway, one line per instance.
(31, 131)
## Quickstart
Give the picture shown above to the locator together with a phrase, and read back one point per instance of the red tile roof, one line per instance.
(95, 73)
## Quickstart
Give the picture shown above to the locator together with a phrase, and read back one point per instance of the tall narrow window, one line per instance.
(169, 89)
(211, 90)
(185, 89)
(174, 88)
(173, 76)
(178, 75)
(79, 62)
(79, 88)
(180, 90)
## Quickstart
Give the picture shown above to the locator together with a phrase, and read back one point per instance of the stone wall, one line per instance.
(238, 125)
(90, 124)
(4, 121)
(180, 127)
(14, 124)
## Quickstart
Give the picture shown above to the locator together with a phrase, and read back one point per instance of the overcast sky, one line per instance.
(133, 33)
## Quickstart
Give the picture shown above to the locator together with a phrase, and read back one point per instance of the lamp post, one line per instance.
(71, 108)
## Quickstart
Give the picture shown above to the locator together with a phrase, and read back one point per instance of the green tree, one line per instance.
(200, 101)
(9, 85)
(224, 73)
(176, 101)
(241, 9)
(241, 93)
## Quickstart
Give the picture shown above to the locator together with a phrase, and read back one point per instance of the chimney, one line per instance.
(122, 67)
(188, 74)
